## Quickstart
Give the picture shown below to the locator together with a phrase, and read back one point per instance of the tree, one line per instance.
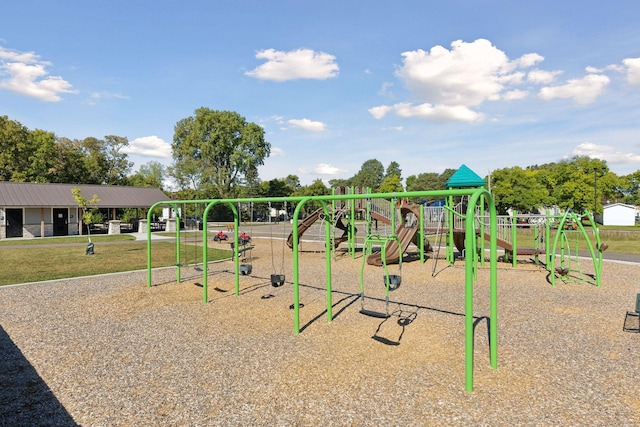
(517, 189)
(390, 184)
(393, 169)
(15, 150)
(43, 145)
(576, 185)
(117, 164)
(429, 181)
(392, 181)
(370, 175)
(631, 188)
(87, 207)
(317, 188)
(68, 165)
(104, 161)
(219, 148)
(150, 174)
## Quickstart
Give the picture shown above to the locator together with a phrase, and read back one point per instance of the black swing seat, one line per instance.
(277, 280)
(394, 281)
(376, 314)
(245, 269)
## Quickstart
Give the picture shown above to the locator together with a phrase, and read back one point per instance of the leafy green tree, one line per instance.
(43, 155)
(95, 160)
(117, 164)
(293, 182)
(68, 163)
(104, 161)
(392, 181)
(15, 150)
(612, 186)
(631, 188)
(429, 181)
(517, 189)
(219, 148)
(370, 175)
(576, 183)
(390, 184)
(317, 188)
(87, 206)
(393, 169)
(151, 174)
(275, 188)
(339, 182)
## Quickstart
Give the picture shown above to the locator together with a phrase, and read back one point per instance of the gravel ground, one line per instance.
(108, 351)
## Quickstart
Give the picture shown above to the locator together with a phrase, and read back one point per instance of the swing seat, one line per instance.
(563, 271)
(394, 281)
(245, 269)
(277, 280)
(376, 314)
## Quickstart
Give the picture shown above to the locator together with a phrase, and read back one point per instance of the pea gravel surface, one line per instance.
(109, 351)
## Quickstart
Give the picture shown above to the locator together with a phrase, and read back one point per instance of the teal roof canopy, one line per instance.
(465, 178)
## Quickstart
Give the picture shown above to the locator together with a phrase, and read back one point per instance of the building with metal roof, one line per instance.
(40, 210)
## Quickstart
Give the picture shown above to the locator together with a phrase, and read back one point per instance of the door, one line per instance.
(60, 221)
(14, 222)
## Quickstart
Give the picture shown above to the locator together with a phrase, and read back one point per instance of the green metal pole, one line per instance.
(327, 253)
(205, 253)
(236, 248)
(468, 305)
(149, 214)
(296, 272)
(514, 245)
(178, 260)
(591, 250)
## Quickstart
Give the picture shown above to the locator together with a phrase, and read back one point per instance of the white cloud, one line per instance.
(308, 125)
(96, 97)
(150, 146)
(276, 151)
(448, 84)
(529, 60)
(439, 113)
(542, 76)
(25, 73)
(605, 152)
(582, 91)
(468, 74)
(515, 94)
(326, 169)
(295, 64)
(380, 111)
(385, 90)
(633, 70)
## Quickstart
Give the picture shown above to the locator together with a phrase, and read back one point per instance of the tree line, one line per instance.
(216, 154)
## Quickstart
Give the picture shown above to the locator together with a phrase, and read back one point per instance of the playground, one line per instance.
(111, 351)
(306, 326)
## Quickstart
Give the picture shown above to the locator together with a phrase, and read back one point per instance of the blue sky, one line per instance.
(428, 84)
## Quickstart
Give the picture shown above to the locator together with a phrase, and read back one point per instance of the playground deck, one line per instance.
(109, 351)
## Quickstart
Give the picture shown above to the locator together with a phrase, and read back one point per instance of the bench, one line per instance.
(231, 227)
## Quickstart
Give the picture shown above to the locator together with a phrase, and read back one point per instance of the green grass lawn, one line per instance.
(32, 264)
(624, 240)
(67, 239)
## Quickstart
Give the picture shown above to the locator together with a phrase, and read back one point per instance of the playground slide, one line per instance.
(304, 225)
(459, 236)
(405, 235)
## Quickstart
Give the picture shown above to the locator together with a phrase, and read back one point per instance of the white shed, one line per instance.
(618, 214)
